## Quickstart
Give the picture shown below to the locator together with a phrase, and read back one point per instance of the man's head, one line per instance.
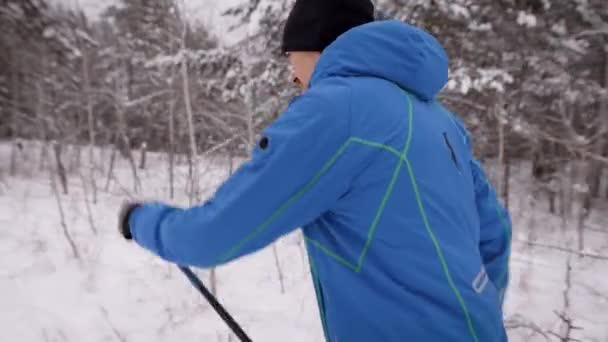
(314, 24)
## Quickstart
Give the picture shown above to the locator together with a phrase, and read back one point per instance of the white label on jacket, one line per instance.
(480, 281)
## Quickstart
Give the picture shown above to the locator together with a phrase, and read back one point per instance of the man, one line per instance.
(406, 239)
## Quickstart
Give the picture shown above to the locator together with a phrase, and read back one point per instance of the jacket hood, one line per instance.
(392, 50)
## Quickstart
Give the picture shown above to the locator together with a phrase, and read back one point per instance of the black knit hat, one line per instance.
(314, 24)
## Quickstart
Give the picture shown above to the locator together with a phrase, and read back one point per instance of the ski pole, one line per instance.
(198, 284)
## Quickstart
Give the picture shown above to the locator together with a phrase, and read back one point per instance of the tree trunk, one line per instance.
(532, 205)
(44, 151)
(604, 169)
(172, 149)
(584, 213)
(111, 167)
(43, 129)
(230, 160)
(57, 147)
(505, 182)
(575, 177)
(14, 114)
(501, 145)
(123, 141)
(91, 123)
(605, 177)
(171, 86)
(193, 156)
(597, 168)
(129, 156)
(125, 147)
(75, 159)
(86, 202)
(250, 113)
(562, 196)
(13, 166)
(581, 223)
(142, 155)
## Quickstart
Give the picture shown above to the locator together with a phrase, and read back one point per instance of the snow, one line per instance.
(560, 28)
(575, 45)
(463, 80)
(119, 292)
(49, 32)
(460, 10)
(145, 298)
(206, 11)
(475, 26)
(526, 19)
(85, 36)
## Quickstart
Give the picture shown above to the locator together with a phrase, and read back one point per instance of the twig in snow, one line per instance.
(302, 252)
(593, 291)
(58, 335)
(568, 287)
(519, 322)
(597, 230)
(569, 327)
(563, 339)
(567, 322)
(278, 264)
(123, 188)
(64, 226)
(45, 335)
(86, 201)
(117, 333)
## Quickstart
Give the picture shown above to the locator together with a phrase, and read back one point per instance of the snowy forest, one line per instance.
(148, 100)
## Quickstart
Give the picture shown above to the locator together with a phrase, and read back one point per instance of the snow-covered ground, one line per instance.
(118, 292)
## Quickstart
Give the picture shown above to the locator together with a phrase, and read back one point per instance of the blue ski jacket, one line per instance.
(405, 236)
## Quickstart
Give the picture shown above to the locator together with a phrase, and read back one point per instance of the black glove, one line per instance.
(123, 219)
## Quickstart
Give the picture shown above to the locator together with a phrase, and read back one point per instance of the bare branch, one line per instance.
(563, 249)
(586, 33)
(461, 100)
(518, 322)
(145, 98)
(221, 145)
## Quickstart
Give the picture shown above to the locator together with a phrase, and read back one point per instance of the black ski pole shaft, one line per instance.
(198, 284)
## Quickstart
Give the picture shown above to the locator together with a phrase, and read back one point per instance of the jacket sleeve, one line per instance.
(298, 171)
(495, 231)
(495, 224)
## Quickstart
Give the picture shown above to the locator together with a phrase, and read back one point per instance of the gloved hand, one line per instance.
(123, 219)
